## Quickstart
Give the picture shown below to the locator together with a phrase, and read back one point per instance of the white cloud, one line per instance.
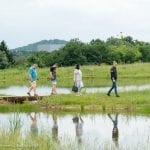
(26, 21)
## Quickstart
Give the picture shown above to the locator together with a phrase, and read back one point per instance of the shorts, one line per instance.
(33, 83)
(54, 82)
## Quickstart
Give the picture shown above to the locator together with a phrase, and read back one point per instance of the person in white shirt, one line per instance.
(78, 79)
(78, 121)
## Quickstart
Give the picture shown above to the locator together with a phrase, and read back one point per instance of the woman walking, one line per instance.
(53, 78)
(78, 79)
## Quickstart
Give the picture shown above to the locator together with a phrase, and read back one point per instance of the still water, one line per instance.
(46, 90)
(125, 132)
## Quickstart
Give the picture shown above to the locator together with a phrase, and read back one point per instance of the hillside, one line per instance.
(44, 45)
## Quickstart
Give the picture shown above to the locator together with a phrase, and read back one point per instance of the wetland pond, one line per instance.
(93, 131)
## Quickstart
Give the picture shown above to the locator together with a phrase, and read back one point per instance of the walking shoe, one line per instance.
(29, 94)
(108, 94)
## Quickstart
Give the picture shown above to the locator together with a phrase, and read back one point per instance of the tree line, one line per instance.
(123, 50)
(6, 57)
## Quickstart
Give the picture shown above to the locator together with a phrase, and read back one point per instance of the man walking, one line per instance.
(32, 78)
(113, 72)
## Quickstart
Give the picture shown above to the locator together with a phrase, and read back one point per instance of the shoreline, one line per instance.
(135, 101)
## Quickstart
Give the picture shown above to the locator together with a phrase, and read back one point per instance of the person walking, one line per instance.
(78, 121)
(55, 128)
(113, 72)
(115, 130)
(78, 79)
(33, 78)
(53, 78)
(34, 127)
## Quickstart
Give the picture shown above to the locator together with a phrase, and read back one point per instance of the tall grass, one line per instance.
(15, 141)
(15, 123)
(93, 75)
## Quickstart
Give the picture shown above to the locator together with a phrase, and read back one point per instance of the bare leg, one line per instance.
(54, 89)
(34, 90)
(30, 89)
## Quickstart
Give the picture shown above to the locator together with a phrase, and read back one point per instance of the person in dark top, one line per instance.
(113, 73)
(115, 131)
(53, 78)
(55, 128)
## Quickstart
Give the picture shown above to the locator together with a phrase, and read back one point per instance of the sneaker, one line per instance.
(117, 96)
(29, 94)
(108, 94)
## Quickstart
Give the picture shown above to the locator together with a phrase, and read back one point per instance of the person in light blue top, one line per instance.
(33, 73)
(32, 79)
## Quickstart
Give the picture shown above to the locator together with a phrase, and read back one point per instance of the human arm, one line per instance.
(30, 74)
(81, 120)
(113, 74)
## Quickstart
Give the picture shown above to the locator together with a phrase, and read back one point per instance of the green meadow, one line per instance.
(93, 75)
(133, 101)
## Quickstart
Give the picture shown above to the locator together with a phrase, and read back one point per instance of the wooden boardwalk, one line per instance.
(20, 99)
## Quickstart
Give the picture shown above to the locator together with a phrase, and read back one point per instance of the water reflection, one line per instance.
(115, 131)
(15, 123)
(34, 127)
(78, 121)
(93, 130)
(55, 128)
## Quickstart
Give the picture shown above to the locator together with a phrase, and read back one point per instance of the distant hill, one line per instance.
(44, 45)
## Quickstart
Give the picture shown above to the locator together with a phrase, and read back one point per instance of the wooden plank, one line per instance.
(20, 99)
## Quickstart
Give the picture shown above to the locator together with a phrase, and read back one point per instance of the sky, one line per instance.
(27, 21)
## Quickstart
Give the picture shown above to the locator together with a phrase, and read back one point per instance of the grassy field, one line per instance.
(129, 101)
(92, 75)
(137, 102)
(136, 74)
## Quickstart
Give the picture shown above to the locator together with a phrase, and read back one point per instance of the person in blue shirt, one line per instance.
(34, 127)
(33, 78)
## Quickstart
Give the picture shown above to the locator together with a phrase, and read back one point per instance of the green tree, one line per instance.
(145, 50)
(96, 52)
(73, 53)
(4, 48)
(3, 60)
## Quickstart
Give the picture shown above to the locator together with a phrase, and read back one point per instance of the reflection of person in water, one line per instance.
(115, 131)
(78, 121)
(55, 128)
(34, 128)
